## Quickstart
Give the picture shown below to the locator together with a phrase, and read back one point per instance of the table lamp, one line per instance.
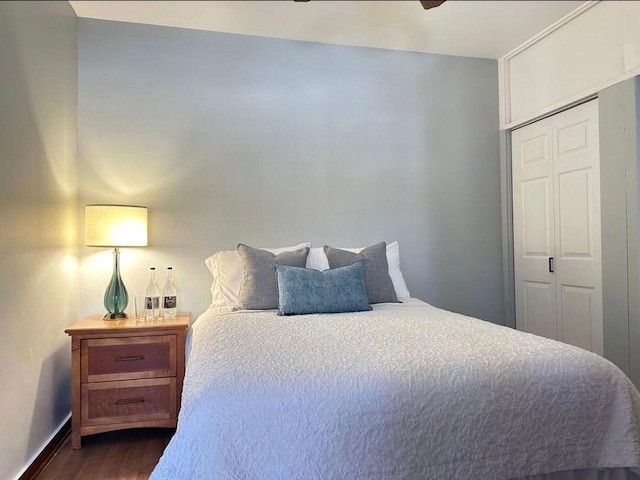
(115, 226)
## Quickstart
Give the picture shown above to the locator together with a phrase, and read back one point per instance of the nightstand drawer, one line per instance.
(128, 401)
(131, 358)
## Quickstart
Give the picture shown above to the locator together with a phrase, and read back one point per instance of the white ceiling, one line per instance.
(487, 29)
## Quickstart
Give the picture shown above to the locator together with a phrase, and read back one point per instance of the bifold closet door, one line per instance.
(533, 224)
(556, 217)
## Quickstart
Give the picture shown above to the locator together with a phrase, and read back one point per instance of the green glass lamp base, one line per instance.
(116, 297)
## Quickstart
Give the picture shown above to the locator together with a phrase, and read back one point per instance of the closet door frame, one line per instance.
(620, 192)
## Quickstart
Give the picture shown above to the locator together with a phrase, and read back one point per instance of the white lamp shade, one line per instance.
(115, 226)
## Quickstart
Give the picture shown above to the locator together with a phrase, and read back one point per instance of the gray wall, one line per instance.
(38, 241)
(230, 138)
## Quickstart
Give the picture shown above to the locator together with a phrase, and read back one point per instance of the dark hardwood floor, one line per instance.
(123, 455)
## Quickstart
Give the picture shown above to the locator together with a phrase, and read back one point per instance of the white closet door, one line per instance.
(533, 226)
(556, 213)
(577, 227)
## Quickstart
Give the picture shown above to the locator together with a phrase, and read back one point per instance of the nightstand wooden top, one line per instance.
(96, 324)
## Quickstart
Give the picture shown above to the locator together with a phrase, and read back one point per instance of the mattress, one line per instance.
(405, 391)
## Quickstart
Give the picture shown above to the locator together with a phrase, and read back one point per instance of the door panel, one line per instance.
(576, 312)
(536, 219)
(534, 150)
(556, 210)
(533, 225)
(539, 309)
(577, 197)
(576, 224)
(572, 138)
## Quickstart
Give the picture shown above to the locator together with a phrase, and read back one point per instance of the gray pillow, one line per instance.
(258, 290)
(376, 270)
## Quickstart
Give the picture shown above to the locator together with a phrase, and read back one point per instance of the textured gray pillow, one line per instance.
(376, 270)
(258, 290)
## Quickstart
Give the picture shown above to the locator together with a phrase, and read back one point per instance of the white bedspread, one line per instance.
(402, 392)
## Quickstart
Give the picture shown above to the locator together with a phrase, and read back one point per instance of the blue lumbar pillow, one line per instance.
(306, 290)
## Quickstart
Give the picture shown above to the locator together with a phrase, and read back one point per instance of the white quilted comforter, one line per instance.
(402, 392)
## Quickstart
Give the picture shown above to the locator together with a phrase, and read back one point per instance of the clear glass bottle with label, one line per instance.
(152, 297)
(169, 297)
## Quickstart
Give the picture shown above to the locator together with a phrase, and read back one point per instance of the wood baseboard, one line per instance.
(41, 461)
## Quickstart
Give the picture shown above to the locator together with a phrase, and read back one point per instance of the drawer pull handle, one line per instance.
(130, 400)
(130, 359)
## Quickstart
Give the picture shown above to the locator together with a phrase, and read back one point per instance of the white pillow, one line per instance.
(226, 268)
(318, 260)
(393, 259)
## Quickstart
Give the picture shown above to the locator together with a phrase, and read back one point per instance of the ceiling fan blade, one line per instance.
(427, 5)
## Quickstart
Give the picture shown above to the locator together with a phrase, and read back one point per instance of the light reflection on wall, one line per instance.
(38, 222)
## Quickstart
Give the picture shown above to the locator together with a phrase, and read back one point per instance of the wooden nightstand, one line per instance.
(125, 374)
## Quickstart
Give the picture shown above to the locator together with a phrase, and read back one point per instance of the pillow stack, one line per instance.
(226, 268)
(265, 279)
(318, 259)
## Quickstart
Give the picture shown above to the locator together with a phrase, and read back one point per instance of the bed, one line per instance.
(392, 388)
(404, 391)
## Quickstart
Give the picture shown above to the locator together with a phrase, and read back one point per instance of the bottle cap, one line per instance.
(169, 268)
(152, 268)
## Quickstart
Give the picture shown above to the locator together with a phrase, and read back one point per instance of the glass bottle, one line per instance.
(152, 297)
(169, 297)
